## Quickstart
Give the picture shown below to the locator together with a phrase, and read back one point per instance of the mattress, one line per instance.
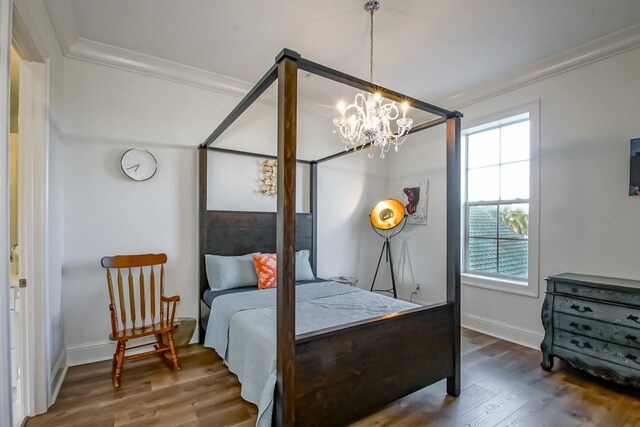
(209, 295)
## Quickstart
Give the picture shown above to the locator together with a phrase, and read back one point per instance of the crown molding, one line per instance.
(605, 47)
(76, 47)
(104, 54)
(64, 21)
(125, 59)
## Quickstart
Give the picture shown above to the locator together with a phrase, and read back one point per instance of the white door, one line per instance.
(17, 262)
(27, 215)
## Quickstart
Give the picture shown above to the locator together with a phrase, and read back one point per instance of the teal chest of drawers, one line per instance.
(593, 323)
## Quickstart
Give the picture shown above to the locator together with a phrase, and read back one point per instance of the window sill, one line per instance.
(501, 285)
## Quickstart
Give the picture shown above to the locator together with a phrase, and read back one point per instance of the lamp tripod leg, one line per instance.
(393, 276)
(384, 246)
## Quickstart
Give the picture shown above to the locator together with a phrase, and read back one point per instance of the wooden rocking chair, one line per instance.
(141, 322)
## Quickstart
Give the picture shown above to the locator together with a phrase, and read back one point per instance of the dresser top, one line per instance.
(605, 282)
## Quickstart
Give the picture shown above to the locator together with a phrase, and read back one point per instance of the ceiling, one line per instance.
(429, 49)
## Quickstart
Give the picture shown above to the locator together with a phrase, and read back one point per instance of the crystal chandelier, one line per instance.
(368, 120)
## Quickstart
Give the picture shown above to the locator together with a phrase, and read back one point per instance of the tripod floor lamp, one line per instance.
(387, 220)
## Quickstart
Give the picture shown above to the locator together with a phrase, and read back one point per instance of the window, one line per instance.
(500, 164)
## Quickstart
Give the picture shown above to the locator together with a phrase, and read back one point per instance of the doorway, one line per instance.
(27, 172)
(15, 302)
(17, 306)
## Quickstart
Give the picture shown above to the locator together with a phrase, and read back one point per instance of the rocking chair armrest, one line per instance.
(170, 311)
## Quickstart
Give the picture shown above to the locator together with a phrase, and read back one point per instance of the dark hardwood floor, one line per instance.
(502, 385)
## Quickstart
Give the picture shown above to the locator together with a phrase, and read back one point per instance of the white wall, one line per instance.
(587, 220)
(233, 181)
(106, 214)
(423, 259)
(348, 187)
(109, 110)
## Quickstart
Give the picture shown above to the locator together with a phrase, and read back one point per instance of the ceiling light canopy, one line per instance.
(368, 121)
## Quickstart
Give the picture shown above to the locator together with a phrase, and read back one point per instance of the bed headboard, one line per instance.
(242, 232)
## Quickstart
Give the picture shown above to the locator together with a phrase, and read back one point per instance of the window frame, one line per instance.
(530, 286)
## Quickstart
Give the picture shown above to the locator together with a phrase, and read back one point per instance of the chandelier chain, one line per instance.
(371, 44)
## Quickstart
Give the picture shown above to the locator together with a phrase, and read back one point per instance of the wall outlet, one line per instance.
(418, 286)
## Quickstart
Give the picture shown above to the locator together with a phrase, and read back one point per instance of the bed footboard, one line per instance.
(346, 373)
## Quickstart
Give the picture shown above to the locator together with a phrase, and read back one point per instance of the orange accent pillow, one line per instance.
(266, 270)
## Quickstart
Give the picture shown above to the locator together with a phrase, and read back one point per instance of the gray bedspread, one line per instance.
(242, 326)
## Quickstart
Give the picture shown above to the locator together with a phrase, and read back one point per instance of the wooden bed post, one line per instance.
(202, 230)
(313, 183)
(285, 402)
(453, 243)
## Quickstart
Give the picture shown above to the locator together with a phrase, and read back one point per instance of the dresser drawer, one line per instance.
(618, 315)
(592, 328)
(603, 350)
(616, 296)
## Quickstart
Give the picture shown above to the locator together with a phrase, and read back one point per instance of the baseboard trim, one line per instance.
(58, 373)
(99, 351)
(521, 336)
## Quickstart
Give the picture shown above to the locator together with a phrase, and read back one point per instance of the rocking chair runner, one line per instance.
(135, 320)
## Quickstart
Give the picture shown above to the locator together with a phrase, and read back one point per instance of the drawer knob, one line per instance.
(581, 345)
(584, 309)
(631, 338)
(634, 318)
(578, 327)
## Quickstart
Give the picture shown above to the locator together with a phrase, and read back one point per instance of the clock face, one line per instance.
(139, 165)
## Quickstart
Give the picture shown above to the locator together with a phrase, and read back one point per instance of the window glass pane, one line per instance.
(483, 221)
(483, 149)
(482, 255)
(514, 181)
(514, 221)
(514, 145)
(483, 184)
(514, 257)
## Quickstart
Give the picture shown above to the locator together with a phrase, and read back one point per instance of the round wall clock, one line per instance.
(138, 164)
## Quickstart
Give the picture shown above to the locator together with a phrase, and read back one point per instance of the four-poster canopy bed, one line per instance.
(335, 375)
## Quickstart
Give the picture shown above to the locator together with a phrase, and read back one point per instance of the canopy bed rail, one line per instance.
(334, 376)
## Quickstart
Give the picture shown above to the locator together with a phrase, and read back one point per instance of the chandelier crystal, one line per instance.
(368, 121)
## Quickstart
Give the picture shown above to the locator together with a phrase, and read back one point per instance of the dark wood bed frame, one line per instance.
(337, 375)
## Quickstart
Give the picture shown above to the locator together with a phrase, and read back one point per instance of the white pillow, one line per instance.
(228, 272)
(303, 266)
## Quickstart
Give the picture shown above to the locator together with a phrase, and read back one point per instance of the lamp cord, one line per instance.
(371, 52)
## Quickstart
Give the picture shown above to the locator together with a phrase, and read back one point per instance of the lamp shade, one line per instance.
(387, 214)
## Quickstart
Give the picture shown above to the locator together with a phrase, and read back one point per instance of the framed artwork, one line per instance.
(634, 169)
(416, 199)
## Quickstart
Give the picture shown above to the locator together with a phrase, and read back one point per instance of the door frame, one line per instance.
(37, 367)
(6, 403)
(34, 142)
(33, 172)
